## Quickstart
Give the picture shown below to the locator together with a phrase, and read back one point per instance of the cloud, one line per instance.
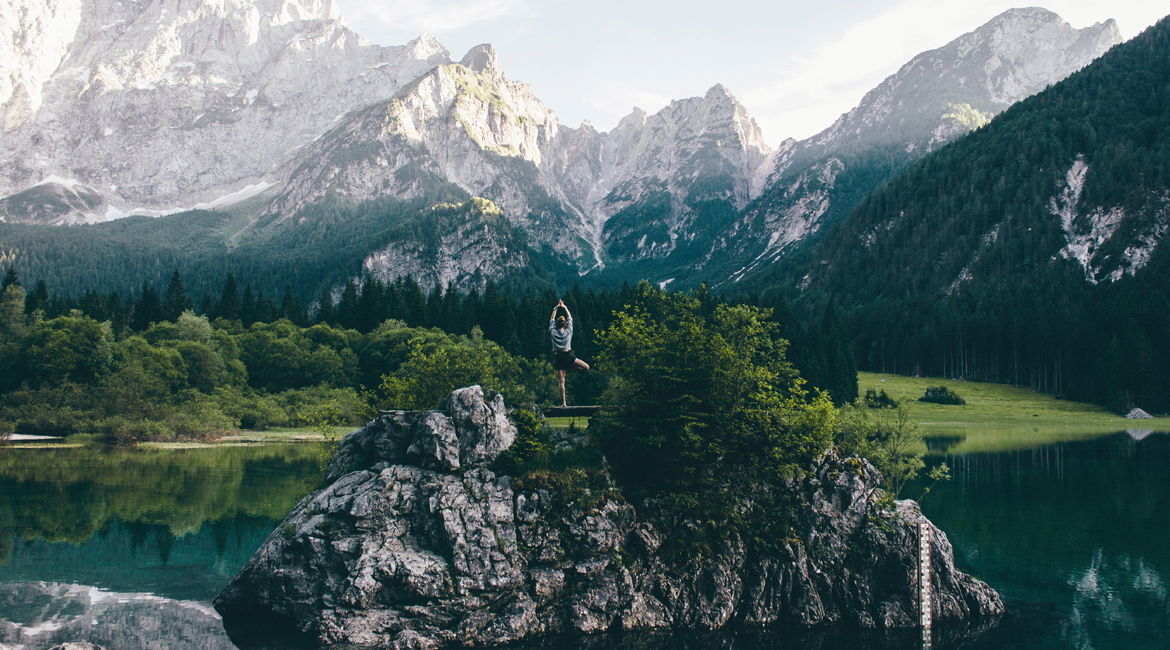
(431, 16)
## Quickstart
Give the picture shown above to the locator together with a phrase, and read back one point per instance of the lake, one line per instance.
(126, 548)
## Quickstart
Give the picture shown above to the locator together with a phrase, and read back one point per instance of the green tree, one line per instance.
(888, 438)
(12, 314)
(147, 309)
(228, 306)
(10, 279)
(434, 367)
(703, 402)
(175, 301)
(75, 348)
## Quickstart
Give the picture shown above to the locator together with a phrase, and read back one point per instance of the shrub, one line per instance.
(879, 400)
(435, 367)
(250, 409)
(942, 395)
(532, 446)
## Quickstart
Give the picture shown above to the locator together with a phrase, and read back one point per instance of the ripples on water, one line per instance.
(126, 548)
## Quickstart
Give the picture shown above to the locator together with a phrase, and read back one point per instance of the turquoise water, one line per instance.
(126, 548)
(1075, 536)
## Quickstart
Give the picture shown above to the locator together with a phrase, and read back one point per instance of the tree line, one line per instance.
(162, 363)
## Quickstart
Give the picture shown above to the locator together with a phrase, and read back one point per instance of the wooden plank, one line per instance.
(570, 411)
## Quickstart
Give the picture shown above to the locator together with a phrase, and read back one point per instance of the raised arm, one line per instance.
(568, 314)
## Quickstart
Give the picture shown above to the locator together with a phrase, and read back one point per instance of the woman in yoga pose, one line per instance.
(560, 328)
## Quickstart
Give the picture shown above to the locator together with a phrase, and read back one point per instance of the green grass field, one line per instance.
(998, 417)
(582, 423)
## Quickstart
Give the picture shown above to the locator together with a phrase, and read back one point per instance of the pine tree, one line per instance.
(324, 308)
(289, 307)
(347, 308)
(12, 317)
(147, 309)
(248, 309)
(175, 302)
(10, 279)
(38, 299)
(228, 306)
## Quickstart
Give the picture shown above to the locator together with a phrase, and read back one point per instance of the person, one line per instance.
(560, 328)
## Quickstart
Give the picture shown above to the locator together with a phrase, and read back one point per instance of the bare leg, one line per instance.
(581, 365)
(561, 376)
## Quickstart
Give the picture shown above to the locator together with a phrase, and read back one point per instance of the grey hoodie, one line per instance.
(562, 339)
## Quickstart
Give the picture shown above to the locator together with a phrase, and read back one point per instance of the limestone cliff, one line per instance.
(416, 543)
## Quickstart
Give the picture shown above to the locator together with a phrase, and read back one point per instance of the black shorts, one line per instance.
(563, 359)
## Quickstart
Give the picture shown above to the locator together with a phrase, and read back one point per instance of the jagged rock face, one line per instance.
(470, 431)
(462, 124)
(449, 245)
(589, 198)
(162, 105)
(936, 97)
(415, 543)
(78, 617)
(1015, 55)
(1108, 243)
(669, 179)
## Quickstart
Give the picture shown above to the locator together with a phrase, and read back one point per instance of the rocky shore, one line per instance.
(415, 543)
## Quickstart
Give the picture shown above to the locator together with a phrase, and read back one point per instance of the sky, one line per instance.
(795, 66)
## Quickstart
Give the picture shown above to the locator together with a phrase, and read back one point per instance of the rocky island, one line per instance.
(415, 542)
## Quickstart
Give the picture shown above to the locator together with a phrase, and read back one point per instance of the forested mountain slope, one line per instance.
(935, 98)
(1029, 251)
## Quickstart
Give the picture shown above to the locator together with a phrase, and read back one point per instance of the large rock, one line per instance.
(471, 431)
(416, 543)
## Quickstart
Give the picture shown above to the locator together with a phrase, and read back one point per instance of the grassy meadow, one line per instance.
(999, 417)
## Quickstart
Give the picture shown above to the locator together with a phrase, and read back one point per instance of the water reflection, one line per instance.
(43, 614)
(1075, 534)
(942, 444)
(176, 523)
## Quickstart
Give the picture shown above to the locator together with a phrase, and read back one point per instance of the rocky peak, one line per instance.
(428, 48)
(481, 59)
(161, 105)
(718, 92)
(1013, 56)
(936, 97)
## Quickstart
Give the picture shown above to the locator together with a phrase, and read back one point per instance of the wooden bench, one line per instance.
(570, 411)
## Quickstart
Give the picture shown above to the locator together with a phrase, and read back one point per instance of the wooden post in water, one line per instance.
(924, 596)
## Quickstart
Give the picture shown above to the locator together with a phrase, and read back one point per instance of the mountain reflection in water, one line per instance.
(1075, 536)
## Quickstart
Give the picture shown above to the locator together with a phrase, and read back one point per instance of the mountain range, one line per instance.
(293, 137)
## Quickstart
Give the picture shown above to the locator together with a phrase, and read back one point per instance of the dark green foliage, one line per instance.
(190, 378)
(879, 400)
(532, 446)
(706, 409)
(888, 439)
(228, 305)
(10, 279)
(954, 268)
(942, 395)
(175, 301)
(434, 366)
